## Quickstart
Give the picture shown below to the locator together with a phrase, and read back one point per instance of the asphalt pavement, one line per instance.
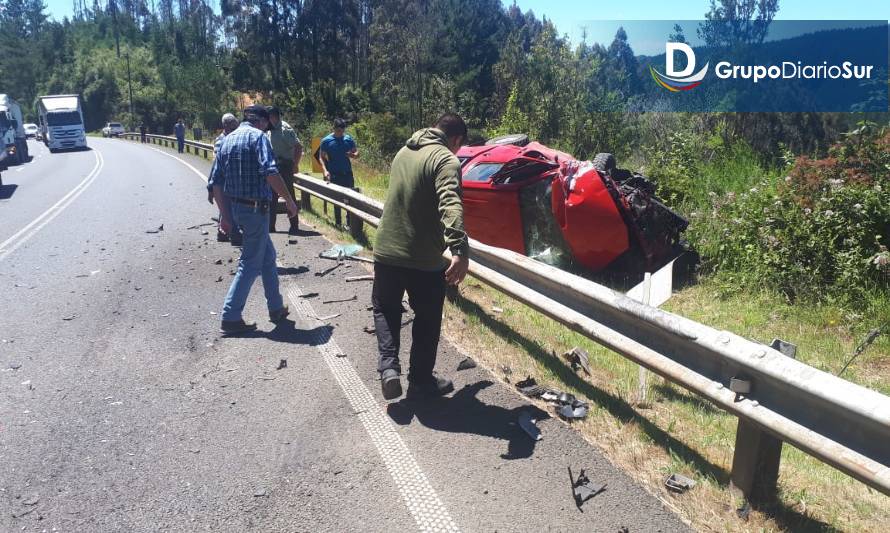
(121, 408)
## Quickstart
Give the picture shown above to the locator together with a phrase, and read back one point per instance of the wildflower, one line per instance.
(753, 190)
(787, 179)
(857, 206)
(828, 212)
(807, 211)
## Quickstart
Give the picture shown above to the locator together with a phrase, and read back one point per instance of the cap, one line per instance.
(257, 111)
(273, 110)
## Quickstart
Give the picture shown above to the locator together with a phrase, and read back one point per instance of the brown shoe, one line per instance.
(279, 315)
(234, 327)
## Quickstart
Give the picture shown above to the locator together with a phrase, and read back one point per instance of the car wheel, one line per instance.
(518, 139)
(604, 162)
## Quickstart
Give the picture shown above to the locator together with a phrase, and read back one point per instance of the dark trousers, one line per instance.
(343, 180)
(180, 144)
(426, 296)
(286, 170)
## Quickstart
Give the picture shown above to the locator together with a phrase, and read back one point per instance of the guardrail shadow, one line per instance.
(785, 516)
(463, 412)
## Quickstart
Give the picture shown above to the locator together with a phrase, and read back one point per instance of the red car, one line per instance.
(544, 203)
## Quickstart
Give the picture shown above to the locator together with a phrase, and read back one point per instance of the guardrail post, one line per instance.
(305, 201)
(755, 462)
(356, 225)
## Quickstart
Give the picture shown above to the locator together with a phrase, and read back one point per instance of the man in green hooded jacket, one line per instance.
(423, 216)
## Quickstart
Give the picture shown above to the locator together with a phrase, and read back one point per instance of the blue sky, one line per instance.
(571, 16)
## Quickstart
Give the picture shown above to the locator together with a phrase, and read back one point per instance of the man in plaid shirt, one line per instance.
(244, 175)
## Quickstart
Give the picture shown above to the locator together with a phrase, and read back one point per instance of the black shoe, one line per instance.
(431, 387)
(279, 315)
(391, 384)
(234, 327)
(294, 230)
(236, 239)
(221, 237)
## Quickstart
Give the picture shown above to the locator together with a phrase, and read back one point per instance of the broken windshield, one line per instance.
(482, 172)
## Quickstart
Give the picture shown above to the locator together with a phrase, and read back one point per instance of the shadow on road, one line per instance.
(6, 191)
(465, 413)
(286, 332)
(292, 271)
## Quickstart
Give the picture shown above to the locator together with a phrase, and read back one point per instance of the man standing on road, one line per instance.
(288, 151)
(179, 130)
(335, 153)
(244, 175)
(142, 137)
(229, 123)
(423, 217)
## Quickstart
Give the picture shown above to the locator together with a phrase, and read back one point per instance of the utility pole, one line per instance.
(130, 85)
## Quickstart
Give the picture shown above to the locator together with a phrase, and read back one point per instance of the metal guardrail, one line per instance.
(840, 423)
(192, 147)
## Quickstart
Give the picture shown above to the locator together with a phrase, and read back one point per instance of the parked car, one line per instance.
(31, 131)
(546, 204)
(113, 129)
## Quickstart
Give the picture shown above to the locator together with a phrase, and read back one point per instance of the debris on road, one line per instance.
(33, 500)
(196, 226)
(679, 483)
(160, 229)
(328, 271)
(369, 329)
(15, 365)
(326, 318)
(497, 310)
(219, 279)
(260, 493)
(218, 262)
(567, 406)
(530, 388)
(583, 489)
(28, 384)
(574, 411)
(527, 423)
(69, 318)
(309, 295)
(352, 299)
(578, 358)
(360, 278)
(466, 364)
(282, 364)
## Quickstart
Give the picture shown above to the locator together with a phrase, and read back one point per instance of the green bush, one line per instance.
(820, 233)
(379, 136)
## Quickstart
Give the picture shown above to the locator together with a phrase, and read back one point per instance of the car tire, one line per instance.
(604, 162)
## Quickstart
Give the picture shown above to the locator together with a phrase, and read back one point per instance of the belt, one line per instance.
(252, 203)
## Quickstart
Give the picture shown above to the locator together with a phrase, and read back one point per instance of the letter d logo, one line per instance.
(675, 81)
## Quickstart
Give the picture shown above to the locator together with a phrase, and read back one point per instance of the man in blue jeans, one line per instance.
(244, 175)
(179, 130)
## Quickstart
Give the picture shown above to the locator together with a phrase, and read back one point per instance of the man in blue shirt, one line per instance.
(335, 153)
(244, 175)
(179, 130)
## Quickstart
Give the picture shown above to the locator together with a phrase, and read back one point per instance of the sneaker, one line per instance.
(234, 327)
(279, 315)
(391, 384)
(430, 387)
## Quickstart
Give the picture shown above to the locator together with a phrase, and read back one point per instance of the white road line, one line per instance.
(196, 171)
(424, 504)
(24, 235)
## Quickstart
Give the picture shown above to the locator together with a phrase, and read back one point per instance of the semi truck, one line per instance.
(12, 128)
(61, 122)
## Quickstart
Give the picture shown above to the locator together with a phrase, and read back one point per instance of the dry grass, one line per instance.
(677, 432)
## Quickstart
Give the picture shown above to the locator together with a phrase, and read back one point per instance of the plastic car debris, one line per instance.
(360, 278)
(282, 364)
(527, 423)
(309, 295)
(530, 388)
(678, 483)
(578, 358)
(573, 411)
(341, 300)
(466, 364)
(341, 251)
(583, 489)
(328, 271)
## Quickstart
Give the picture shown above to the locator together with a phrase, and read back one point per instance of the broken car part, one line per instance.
(583, 489)
(352, 299)
(527, 423)
(678, 483)
(360, 278)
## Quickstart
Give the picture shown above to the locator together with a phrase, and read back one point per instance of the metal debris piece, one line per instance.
(341, 251)
(573, 411)
(583, 489)
(282, 364)
(352, 299)
(679, 483)
(578, 358)
(218, 262)
(160, 229)
(309, 295)
(326, 318)
(527, 423)
(196, 226)
(328, 271)
(69, 317)
(370, 330)
(530, 387)
(360, 278)
(466, 364)
(740, 386)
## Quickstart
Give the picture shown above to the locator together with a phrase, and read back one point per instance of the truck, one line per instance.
(61, 122)
(15, 142)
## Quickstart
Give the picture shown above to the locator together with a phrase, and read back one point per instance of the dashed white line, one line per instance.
(24, 235)
(421, 499)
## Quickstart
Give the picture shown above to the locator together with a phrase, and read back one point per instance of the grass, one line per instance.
(677, 431)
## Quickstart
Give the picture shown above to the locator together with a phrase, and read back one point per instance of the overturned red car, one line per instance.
(544, 203)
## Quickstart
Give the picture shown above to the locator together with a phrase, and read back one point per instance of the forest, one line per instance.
(392, 66)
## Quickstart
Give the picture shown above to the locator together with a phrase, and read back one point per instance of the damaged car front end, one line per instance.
(544, 203)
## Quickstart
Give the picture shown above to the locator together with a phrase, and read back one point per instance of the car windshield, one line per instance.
(115, 125)
(63, 118)
(482, 172)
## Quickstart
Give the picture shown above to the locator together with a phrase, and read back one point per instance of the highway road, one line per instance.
(121, 409)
